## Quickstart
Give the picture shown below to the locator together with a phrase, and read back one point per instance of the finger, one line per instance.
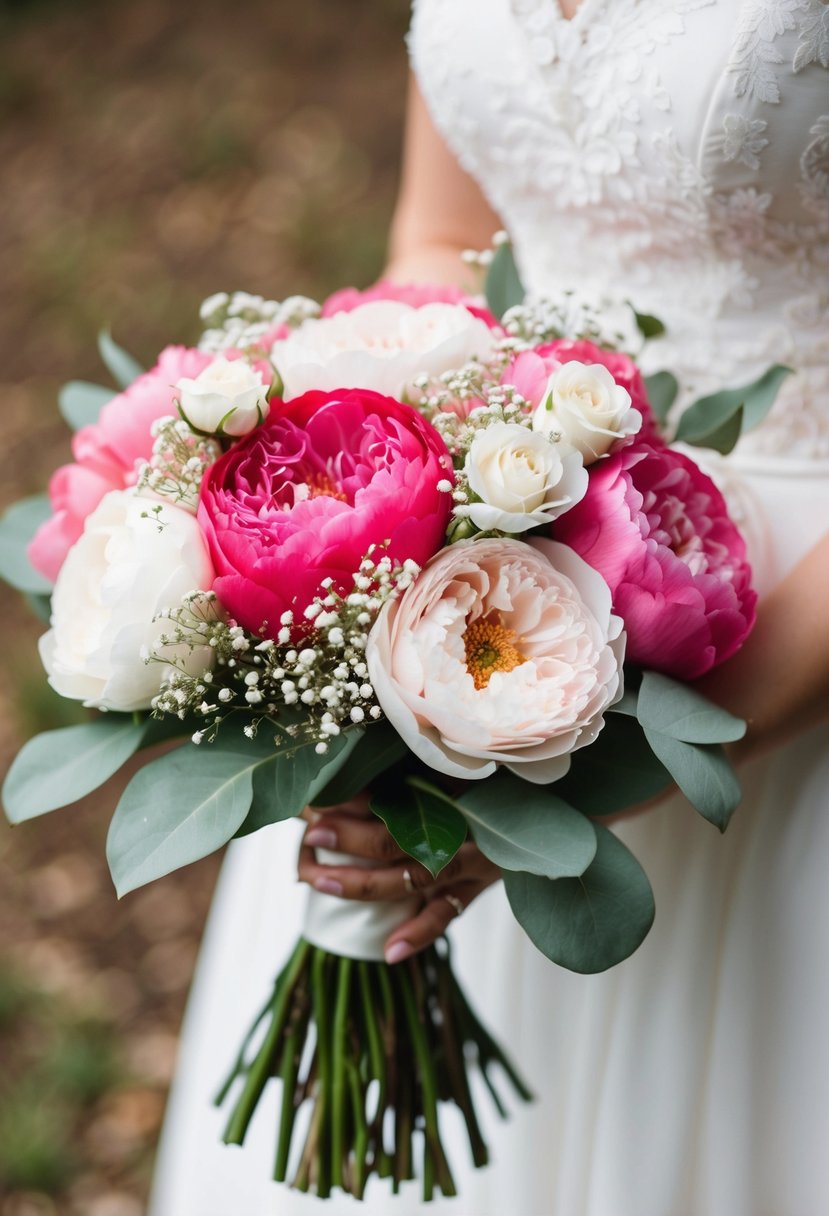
(432, 921)
(356, 882)
(369, 838)
(357, 807)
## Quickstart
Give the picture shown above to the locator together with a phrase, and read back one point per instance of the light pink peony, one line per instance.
(658, 530)
(413, 294)
(305, 495)
(108, 452)
(530, 373)
(499, 653)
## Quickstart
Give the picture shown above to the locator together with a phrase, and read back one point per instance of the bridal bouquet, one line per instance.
(407, 544)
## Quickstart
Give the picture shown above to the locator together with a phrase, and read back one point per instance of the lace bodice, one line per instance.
(675, 152)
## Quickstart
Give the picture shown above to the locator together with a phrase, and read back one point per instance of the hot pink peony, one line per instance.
(413, 294)
(304, 497)
(658, 530)
(107, 454)
(530, 372)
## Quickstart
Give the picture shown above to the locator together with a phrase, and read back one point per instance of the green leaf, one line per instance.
(649, 326)
(662, 389)
(617, 771)
(424, 821)
(590, 923)
(626, 704)
(504, 288)
(377, 750)
(286, 782)
(527, 827)
(17, 527)
(123, 367)
(677, 710)
(80, 402)
(718, 421)
(59, 767)
(703, 773)
(181, 807)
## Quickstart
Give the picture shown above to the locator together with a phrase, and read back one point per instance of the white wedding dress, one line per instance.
(675, 152)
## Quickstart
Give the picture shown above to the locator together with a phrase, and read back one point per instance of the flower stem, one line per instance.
(338, 1077)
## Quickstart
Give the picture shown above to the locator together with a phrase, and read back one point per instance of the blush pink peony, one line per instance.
(305, 495)
(658, 530)
(108, 452)
(413, 294)
(499, 653)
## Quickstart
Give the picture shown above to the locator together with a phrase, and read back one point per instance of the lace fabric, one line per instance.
(683, 148)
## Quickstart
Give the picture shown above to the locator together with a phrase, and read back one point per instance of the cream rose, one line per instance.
(229, 397)
(129, 564)
(384, 346)
(585, 405)
(522, 478)
(499, 653)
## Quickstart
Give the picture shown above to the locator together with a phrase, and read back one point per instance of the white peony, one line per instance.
(522, 478)
(383, 345)
(500, 652)
(229, 397)
(131, 562)
(585, 405)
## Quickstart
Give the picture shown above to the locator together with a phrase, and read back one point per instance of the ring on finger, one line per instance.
(454, 903)
(408, 882)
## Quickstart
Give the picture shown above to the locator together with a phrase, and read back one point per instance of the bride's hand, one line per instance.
(351, 828)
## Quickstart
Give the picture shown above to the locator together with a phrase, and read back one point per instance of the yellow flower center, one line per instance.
(320, 485)
(490, 647)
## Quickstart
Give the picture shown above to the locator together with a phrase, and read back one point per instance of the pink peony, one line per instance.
(107, 454)
(413, 294)
(658, 530)
(530, 372)
(305, 495)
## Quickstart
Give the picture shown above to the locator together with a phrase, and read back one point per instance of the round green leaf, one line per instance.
(590, 923)
(504, 288)
(617, 771)
(81, 403)
(424, 821)
(680, 711)
(527, 827)
(703, 773)
(17, 527)
(123, 367)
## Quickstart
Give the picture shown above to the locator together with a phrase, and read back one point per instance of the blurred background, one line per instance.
(152, 153)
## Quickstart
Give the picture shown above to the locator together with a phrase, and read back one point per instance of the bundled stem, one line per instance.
(371, 1052)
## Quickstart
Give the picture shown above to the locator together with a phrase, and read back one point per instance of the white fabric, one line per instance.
(676, 151)
(352, 929)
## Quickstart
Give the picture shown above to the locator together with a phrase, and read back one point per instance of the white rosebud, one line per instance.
(116, 581)
(521, 477)
(588, 408)
(228, 398)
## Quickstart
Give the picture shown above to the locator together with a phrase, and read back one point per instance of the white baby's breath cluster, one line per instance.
(311, 682)
(238, 320)
(609, 322)
(178, 462)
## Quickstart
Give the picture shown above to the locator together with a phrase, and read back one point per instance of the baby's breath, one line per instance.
(239, 320)
(178, 462)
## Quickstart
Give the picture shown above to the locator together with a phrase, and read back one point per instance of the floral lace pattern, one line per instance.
(674, 151)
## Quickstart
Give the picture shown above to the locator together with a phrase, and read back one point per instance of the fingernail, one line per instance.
(321, 838)
(329, 886)
(399, 951)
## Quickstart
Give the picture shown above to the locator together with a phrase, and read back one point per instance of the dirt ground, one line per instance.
(151, 153)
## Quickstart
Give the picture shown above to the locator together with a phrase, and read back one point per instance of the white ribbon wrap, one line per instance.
(353, 928)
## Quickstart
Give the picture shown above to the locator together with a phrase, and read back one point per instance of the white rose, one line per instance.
(588, 408)
(521, 477)
(229, 397)
(129, 564)
(383, 345)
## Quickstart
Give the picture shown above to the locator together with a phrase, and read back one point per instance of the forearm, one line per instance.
(779, 680)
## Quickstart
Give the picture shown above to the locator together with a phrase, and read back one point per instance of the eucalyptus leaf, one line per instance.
(590, 923)
(376, 751)
(286, 782)
(504, 288)
(649, 326)
(59, 767)
(181, 807)
(662, 389)
(617, 771)
(703, 773)
(80, 402)
(123, 367)
(626, 704)
(425, 822)
(17, 527)
(680, 711)
(711, 421)
(527, 827)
